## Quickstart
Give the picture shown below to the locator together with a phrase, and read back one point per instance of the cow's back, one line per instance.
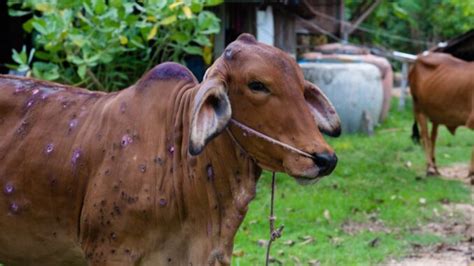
(442, 88)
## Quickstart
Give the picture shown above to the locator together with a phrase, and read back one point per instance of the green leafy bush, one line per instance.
(413, 26)
(107, 45)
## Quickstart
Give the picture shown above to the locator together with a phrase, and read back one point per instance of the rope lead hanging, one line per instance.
(274, 234)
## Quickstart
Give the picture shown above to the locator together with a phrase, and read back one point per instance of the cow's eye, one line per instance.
(257, 86)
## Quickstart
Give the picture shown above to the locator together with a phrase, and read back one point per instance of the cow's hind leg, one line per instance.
(426, 142)
(434, 168)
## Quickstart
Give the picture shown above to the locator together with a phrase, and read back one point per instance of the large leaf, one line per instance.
(196, 6)
(116, 3)
(44, 7)
(152, 32)
(193, 50)
(21, 57)
(99, 6)
(123, 40)
(181, 37)
(213, 2)
(187, 12)
(208, 23)
(168, 20)
(18, 13)
(28, 25)
(81, 71)
(40, 26)
(202, 40)
(43, 55)
(47, 71)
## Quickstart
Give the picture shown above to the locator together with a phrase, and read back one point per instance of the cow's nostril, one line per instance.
(326, 162)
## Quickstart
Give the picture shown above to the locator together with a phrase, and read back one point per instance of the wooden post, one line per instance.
(285, 31)
(403, 86)
(342, 27)
(219, 39)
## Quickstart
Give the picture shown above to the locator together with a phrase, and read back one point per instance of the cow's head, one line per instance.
(263, 88)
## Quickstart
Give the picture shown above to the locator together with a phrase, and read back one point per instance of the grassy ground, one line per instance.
(365, 212)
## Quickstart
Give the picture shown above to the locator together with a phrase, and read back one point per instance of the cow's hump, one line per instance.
(436, 59)
(169, 71)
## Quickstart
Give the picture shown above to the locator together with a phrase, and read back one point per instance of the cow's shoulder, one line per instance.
(167, 72)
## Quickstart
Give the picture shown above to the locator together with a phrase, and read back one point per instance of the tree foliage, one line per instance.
(108, 44)
(414, 26)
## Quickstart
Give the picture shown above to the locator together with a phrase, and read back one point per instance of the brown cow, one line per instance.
(133, 178)
(443, 92)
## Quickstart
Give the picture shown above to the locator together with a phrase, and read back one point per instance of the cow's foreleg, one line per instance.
(432, 167)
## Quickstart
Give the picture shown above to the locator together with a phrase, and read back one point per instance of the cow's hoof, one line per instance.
(432, 172)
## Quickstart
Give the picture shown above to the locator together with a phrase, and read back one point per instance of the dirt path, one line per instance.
(457, 219)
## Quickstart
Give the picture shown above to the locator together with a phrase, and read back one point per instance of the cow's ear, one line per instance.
(210, 114)
(322, 110)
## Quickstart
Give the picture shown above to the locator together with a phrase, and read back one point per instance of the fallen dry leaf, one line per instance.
(238, 253)
(336, 241)
(297, 260)
(306, 242)
(326, 214)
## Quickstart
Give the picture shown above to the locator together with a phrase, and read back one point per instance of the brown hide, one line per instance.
(108, 179)
(443, 92)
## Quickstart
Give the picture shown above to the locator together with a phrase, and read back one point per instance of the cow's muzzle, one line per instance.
(326, 162)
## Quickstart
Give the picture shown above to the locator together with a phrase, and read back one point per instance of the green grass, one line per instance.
(371, 182)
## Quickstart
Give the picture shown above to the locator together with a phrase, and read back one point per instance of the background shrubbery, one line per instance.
(107, 45)
(413, 26)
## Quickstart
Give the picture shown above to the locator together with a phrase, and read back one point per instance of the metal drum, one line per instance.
(355, 89)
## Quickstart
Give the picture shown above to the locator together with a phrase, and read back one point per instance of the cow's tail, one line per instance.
(415, 133)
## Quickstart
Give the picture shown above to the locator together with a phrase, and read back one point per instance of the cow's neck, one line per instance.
(211, 191)
(231, 178)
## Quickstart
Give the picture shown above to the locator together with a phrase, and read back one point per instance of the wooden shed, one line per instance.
(276, 22)
(292, 25)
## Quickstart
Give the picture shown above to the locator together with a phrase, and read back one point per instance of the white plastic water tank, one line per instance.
(355, 89)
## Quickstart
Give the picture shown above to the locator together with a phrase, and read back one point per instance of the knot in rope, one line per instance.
(274, 233)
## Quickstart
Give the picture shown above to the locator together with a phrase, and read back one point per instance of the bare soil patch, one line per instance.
(456, 172)
(354, 228)
(454, 220)
(458, 221)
